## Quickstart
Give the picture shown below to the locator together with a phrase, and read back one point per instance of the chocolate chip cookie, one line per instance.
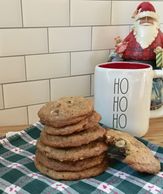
(65, 111)
(75, 139)
(65, 175)
(94, 148)
(70, 165)
(86, 123)
(131, 151)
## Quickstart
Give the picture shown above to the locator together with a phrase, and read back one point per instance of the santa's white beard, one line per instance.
(145, 34)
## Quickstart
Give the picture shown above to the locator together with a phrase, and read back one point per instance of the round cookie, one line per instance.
(86, 123)
(90, 172)
(131, 151)
(94, 148)
(65, 111)
(75, 139)
(69, 165)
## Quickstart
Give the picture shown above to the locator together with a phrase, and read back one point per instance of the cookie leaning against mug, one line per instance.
(132, 152)
(86, 123)
(90, 172)
(94, 148)
(75, 139)
(70, 165)
(65, 111)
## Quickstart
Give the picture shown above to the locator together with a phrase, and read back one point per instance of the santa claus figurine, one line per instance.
(145, 37)
(142, 44)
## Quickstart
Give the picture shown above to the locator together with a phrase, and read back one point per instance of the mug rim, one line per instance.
(146, 66)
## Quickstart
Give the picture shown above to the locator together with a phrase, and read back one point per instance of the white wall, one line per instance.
(49, 48)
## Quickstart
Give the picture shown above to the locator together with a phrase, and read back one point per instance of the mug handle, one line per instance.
(158, 112)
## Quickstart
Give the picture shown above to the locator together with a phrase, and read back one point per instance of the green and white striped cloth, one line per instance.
(18, 174)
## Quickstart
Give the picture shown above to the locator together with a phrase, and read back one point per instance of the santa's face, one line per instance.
(145, 31)
(147, 21)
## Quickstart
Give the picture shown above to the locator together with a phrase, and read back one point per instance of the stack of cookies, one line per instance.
(71, 145)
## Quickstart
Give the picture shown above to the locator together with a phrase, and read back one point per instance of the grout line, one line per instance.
(23, 106)
(91, 38)
(69, 13)
(111, 7)
(25, 66)
(50, 90)
(3, 98)
(72, 26)
(59, 52)
(25, 81)
(70, 63)
(48, 40)
(45, 79)
(27, 115)
(21, 7)
(90, 84)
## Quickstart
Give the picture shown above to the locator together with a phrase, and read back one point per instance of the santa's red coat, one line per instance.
(135, 52)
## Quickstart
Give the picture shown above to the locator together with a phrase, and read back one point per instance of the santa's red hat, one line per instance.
(145, 9)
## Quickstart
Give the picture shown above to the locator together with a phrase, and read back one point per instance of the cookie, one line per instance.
(86, 123)
(132, 152)
(65, 111)
(65, 175)
(69, 165)
(94, 148)
(75, 139)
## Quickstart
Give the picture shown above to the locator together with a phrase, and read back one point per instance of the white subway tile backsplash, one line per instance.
(47, 66)
(158, 6)
(32, 113)
(23, 41)
(89, 60)
(26, 93)
(83, 66)
(77, 86)
(103, 37)
(90, 12)
(69, 39)
(99, 56)
(1, 97)
(16, 116)
(125, 10)
(12, 69)
(45, 12)
(124, 17)
(10, 13)
(161, 28)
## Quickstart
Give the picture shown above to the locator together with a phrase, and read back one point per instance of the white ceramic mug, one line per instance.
(122, 95)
